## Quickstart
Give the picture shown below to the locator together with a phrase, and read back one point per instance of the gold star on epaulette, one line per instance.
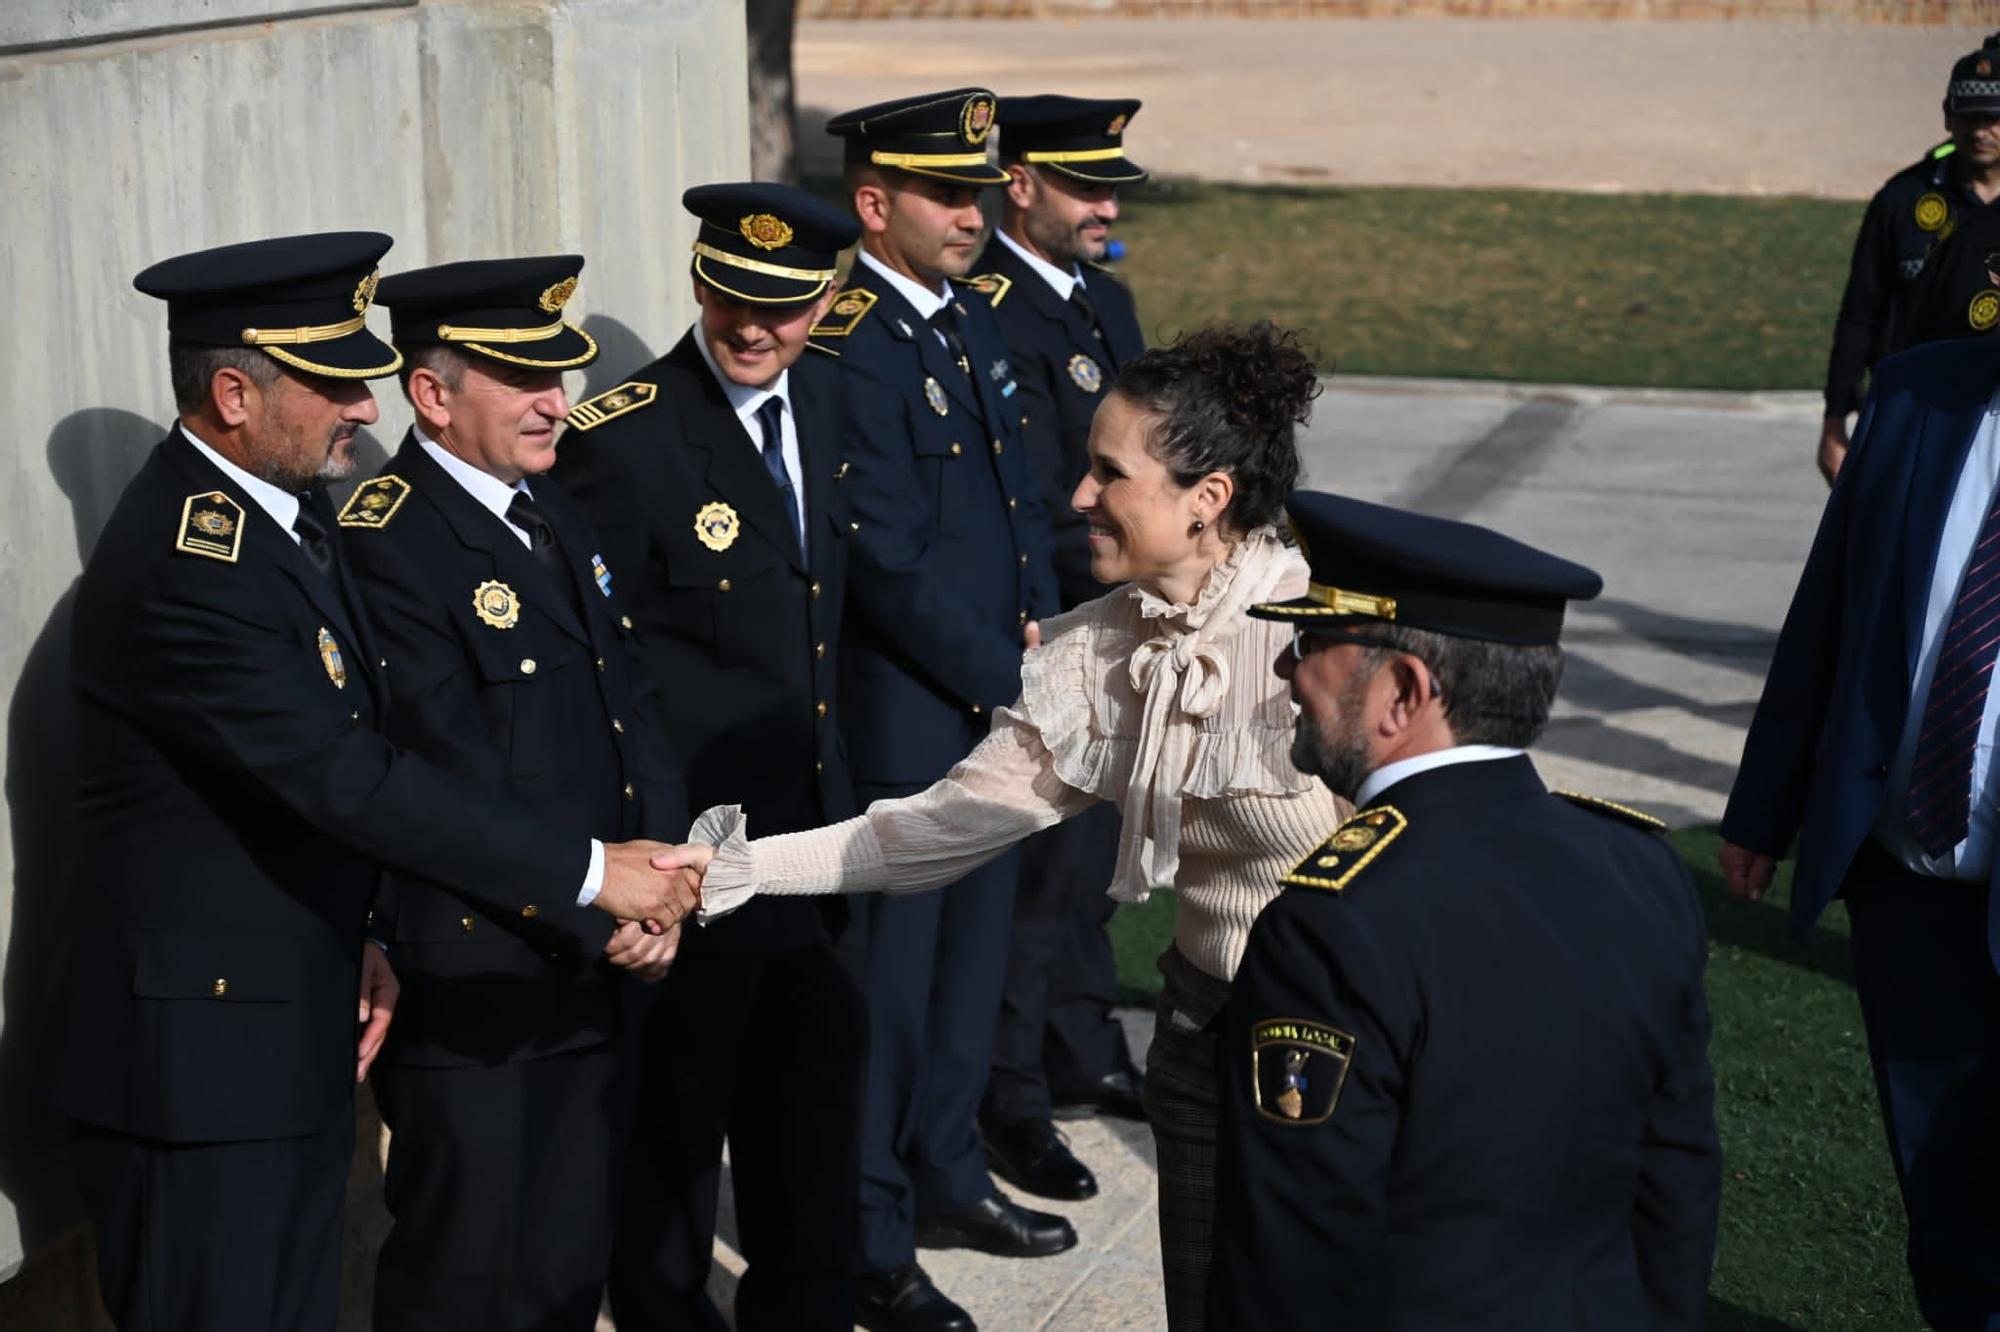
(849, 309)
(211, 526)
(375, 502)
(1612, 809)
(1351, 849)
(612, 404)
(993, 286)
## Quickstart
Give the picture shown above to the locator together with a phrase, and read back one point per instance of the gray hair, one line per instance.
(447, 363)
(1494, 693)
(191, 367)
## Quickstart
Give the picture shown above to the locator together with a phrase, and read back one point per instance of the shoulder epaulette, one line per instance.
(375, 502)
(612, 404)
(818, 348)
(211, 526)
(1945, 149)
(1611, 808)
(849, 309)
(993, 286)
(1351, 849)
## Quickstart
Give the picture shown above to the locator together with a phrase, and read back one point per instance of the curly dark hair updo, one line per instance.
(1229, 400)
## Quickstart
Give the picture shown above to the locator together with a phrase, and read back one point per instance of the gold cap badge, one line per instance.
(976, 121)
(364, 291)
(765, 231)
(495, 603)
(558, 296)
(716, 525)
(1117, 125)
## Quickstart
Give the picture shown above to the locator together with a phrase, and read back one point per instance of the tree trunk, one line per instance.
(773, 96)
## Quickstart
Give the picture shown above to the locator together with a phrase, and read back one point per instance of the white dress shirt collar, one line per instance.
(743, 400)
(926, 302)
(282, 505)
(493, 494)
(1064, 283)
(1389, 774)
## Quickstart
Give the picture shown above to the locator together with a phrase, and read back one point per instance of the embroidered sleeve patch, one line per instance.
(1297, 1069)
(993, 286)
(1352, 848)
(849, 309)
(374, 503)
(211, 526)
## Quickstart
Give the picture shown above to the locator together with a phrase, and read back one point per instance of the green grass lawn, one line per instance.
(1812, 1232)
(1675, 291)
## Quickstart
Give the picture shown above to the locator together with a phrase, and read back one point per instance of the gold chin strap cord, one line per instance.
(458, 333)
(1075, 155)
(758, 266)
(268, 337)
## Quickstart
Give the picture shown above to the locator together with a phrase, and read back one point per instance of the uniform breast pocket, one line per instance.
(714, 597)
(522, 680)
(944, 461)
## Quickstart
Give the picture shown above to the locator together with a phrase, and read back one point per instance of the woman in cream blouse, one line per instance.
(1160, 697)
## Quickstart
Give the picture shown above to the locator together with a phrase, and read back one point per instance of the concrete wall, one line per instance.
(465, 130)
(1955, 12)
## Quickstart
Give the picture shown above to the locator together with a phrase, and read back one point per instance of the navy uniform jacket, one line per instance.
(1918, 206)
(1816, 759)
(1064, 371)
(1465, 1075)
(741, 635)
(548, 708)
(235, 804)
(948, 541)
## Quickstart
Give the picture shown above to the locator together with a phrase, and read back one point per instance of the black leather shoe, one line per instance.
(1121, 1093)
(1033, 1156)
(903, 1299)
(998, 1226)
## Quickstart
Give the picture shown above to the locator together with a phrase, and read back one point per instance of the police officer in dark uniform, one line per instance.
(1464, 1062)
(237, 803)
(1069, 326)
(714, 477)
(516, 669)
(950, 565)
(1953, 185)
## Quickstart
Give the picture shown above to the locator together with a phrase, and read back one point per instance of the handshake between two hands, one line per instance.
(650, 887)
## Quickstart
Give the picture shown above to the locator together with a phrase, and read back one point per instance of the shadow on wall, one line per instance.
(92, 454)
(620, 351)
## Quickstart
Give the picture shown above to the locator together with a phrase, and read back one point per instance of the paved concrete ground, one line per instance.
(1724, 108)
(1696, 508)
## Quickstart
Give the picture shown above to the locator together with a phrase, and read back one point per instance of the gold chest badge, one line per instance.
(1984, 311)
(329, 657)
(716, 525)
(495, 603)
(1083, 372)
(934, 395)
(1931, 212)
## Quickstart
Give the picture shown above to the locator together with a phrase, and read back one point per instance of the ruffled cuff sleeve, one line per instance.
(840, 856)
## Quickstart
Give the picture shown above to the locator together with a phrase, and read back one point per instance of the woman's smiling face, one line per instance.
(1140, 519)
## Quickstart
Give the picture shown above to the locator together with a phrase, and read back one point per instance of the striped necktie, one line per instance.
(1940, 803)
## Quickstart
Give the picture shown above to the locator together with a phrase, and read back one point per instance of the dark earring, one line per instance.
(1198, 525)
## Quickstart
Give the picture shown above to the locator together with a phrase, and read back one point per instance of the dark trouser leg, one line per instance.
(195, 1237)
(1055, 1022)
(1182, 1106)
(502, 1182)
(690, 1046)
(1931, 1003)
(794, 1145)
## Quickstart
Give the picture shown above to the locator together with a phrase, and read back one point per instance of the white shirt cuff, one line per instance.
(593, 878)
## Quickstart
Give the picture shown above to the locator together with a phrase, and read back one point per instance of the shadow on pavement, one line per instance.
(1726, 1317)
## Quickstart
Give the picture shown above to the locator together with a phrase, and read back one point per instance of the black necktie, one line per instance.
(1081, 301)
(312, 536)
(527, 515)
(945, 321)
(771, 417)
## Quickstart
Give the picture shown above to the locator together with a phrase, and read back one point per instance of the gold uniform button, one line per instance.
(1023, 616)
(819, 651)
(956, 448)
(618, 726)
(530, 911)
(527, 665)
(1012, 502)
(220, 988)
(355, 715)
(625, 621)
(600, 660)
(975, 709)
(818, 766)
(854, 527)
(819, 709)
(815, 591)
(1024, 561)
(466, 923)
(383, 664)
(996, 446)
(722, 586)
(628, 791)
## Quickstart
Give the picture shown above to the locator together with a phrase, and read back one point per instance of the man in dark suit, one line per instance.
(950, 564)
(1465, 1059)
(1069, 325)
(237, 803)
(713, 476)
(1871, 751)
(517, 670)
